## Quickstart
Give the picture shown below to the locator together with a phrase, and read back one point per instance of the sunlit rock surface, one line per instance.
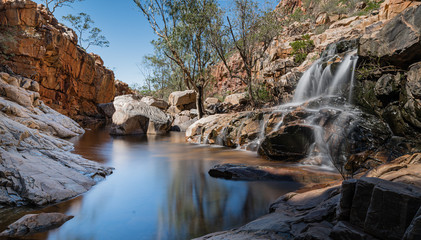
(37, 46)
(398, 42)
(36, 166)
(133, 116)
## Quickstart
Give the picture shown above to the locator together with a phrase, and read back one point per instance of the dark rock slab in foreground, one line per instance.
(35, 223)
(365, 208)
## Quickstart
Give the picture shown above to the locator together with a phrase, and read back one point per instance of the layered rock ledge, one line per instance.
(36, 165)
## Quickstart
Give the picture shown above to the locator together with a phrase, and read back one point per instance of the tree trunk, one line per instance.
(250, 92)
(199, 101)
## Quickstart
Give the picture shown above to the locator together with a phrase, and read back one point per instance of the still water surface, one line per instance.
(160, 189)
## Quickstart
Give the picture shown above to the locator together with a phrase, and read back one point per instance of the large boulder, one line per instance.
(182, 100)
(71, 81)
(155, 102)
(132, 116)
(398, 42)
(36, 165)
(35, 223)
(293, 143)
(235, 99)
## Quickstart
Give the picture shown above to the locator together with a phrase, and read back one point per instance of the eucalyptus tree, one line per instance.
(248, 31)
(161, 75)
(182, 30)
(52, 5)
(82, 23)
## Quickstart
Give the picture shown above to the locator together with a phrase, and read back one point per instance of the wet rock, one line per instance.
(244, 173)
(387, 85)
(182, 100)
(35, 223)
(132, 116)
(292, 143)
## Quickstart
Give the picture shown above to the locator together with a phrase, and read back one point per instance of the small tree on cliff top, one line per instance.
(82, 24)
(182, 30)
(57, 4)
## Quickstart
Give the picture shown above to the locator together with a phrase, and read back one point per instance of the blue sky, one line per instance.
(127, 30)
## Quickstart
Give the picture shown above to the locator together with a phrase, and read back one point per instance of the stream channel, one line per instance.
(160, 189)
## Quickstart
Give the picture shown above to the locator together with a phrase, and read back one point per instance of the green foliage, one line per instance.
(82, 23)
(298, 15)
(371, 5)
(263, 94)
(161, 76)
(52, 5)
(184, 38)
(301, 48)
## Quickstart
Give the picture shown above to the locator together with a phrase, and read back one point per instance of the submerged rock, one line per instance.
(35, 223)
(36, 166)
(243, 172)
(132, 116)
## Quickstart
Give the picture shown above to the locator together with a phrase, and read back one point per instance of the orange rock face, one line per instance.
(122, 88)
(71, 81)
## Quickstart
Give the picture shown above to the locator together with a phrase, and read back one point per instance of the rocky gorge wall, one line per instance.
(385, 97)
(35, 45)
(278, 71)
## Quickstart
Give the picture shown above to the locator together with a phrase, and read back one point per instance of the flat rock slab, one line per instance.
(35, 223)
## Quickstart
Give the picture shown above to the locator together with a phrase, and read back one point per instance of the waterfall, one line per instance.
(325, 85)
(319, 81)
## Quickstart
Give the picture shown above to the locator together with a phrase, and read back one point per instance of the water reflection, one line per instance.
(160, 189)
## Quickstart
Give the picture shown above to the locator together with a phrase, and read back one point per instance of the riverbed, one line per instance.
(160, 189)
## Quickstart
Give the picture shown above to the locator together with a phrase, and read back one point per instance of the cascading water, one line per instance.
(319, 80)
(317, 126)
(325, 85)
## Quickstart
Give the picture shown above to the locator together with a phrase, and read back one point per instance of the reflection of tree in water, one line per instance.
(198, 204)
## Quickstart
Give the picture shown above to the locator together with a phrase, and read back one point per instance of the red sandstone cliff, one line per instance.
(71, 81)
